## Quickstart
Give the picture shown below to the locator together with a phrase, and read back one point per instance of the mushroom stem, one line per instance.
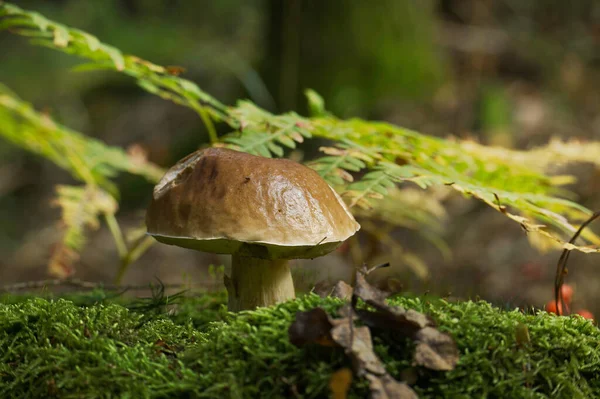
(258, 282)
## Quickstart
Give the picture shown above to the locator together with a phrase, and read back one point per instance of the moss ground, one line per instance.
(93, 346)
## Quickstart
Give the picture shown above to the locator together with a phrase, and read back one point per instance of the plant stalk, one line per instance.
(258, 282)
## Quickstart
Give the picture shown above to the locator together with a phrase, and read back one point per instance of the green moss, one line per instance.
(562, 359)
(56, 348)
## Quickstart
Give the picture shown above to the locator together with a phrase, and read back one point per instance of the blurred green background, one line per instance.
(512, 73)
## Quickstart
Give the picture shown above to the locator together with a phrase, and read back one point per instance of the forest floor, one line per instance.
(100, 344)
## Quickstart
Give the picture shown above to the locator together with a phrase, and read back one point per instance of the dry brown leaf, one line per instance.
(388, 388)
(435, 350)
(357, 342)
(311, 327)
(386, 316)
(340, 382)
(366, 291)
(341, 290)
(316, 327)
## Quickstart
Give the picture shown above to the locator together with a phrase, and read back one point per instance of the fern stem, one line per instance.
(115, 230)
(210, 127)
(134, 253)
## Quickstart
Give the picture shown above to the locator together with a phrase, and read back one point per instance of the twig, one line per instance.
(88, 285)
(561, 267)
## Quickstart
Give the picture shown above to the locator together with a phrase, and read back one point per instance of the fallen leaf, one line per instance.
(357, 342)
(407, 322)
(341, 290)
(435, 350)
(316, 327)
(366, 291)
(311, 327)
(347, 311)
(339, 383)
(386, 316)
(388, 388)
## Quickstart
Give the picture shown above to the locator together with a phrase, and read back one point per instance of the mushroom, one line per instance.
(262, 211)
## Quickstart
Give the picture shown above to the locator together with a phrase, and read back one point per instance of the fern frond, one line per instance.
(262, 133)
(554, 154)
(341, 161)
(500, 178)
(533, 206)
(373, 185)
(153, 78)
(80, 207)
(88, 160)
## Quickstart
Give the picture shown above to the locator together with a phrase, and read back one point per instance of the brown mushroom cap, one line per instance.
(224, 201)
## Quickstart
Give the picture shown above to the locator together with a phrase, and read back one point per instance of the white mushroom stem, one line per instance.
(258, 282)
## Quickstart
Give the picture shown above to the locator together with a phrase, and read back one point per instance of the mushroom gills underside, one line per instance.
(259, 250)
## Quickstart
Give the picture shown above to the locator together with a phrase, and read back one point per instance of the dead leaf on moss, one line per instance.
(339, 383)
(366, 291)
(347, 311)
(316, 327)
(357, 341)
(386, 316)
(407, 322)
(388, 388)
(435, 350)
(311, 327)
(358, 344)
(341, 290)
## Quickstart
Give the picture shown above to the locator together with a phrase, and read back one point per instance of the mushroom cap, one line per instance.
(224, 201)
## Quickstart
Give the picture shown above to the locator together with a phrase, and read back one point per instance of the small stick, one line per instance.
(77, 283)
(561, 267)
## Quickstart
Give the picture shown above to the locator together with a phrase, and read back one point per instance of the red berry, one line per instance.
(586, 314)
(567, 293)
(551, 307)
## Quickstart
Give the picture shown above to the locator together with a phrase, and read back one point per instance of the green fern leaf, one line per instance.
(87, 159)
(340, 161)
(80, 207)
(267, 132)
(527, 194)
